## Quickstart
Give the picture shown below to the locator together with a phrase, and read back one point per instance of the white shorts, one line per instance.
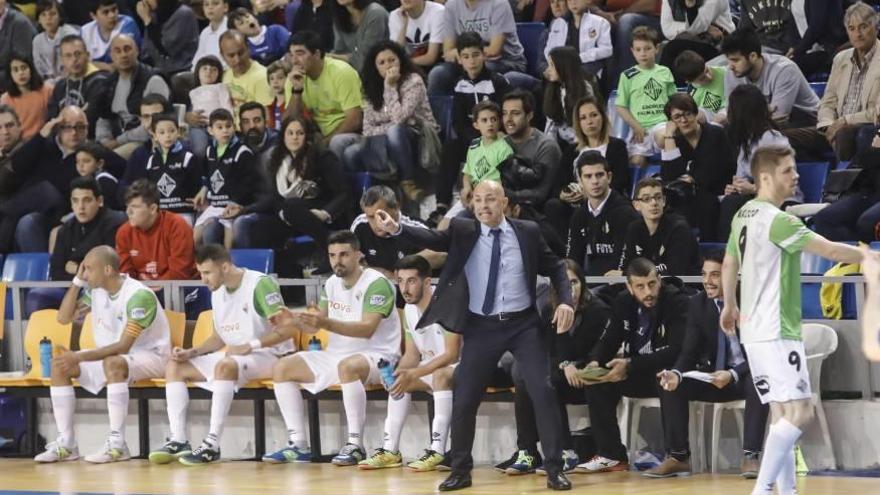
(141, 366)
(324, 366)
(779, 370)
(648, 147)
(254, 366)
(429, 379)
(212, 212)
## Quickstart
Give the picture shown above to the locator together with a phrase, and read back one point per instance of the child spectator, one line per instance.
(487, 152)
(476, 83)
(176, 172)
(90, 159)
(266, 43)
(47, 44)
(642, 94)
(233, 180)
(209, 95)
(588, 33)
(705, 84)
(277, 74)
(106, 24)
(209, 39)
(27, 94)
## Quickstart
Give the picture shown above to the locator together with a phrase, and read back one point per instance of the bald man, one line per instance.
(494, 306)
(132, 343)
(245, 78)
(119, 128)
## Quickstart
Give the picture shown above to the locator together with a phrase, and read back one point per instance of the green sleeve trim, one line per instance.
(323, 302)
(379, 297)
(267, 297)
(142, 307)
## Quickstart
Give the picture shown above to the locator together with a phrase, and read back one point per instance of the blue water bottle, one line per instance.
(386, 371)
(46, 356)
(314, 344)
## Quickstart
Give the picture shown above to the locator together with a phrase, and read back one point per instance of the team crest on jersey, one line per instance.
(591, 33)
(217, 181)
(377, 300)
(166, 185)
(606, 228)
(653, 89)
(662, 250)
(358, 295)
(138, 313)
(802, 385)
(245, 308)
(372, 252)
(273, 298)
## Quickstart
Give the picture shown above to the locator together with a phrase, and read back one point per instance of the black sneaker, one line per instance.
(205, 454)
(502, 466)
(170, 452)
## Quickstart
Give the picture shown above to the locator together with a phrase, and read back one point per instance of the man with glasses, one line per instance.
(664, 238)
(84, 86)
(696, 153)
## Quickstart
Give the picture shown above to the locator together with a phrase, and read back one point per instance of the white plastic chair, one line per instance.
(738, 407)
(630, 417)
(820, 341)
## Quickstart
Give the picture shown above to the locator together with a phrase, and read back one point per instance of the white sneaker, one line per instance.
(109, 454)
(55, 452)
(599, 464)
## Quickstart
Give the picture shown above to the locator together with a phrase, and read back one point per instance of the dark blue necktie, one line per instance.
(721, 351)
(489, 301)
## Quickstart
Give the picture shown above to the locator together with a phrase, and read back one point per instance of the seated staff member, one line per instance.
(649, 319)
(132, 343)
(357, 310)
(244, 301)
(706, 348)
(428, 360)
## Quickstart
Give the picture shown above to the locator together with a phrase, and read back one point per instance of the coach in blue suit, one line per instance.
(487, 293)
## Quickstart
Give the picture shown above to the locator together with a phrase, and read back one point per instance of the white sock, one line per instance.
(786, 480)
(117, 409)
(63, 407)
(397, 411)
(354, 399)
(442, 419)
(220, 402)
(177, 400)
(289, 398)
(778, 449)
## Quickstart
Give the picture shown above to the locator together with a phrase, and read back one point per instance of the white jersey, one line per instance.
(372, 293)
(767, 243)
(134, 310)
(429, 340)
(242, 315)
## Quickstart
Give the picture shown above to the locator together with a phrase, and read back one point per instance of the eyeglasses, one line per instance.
(77, 127)
(681, 116)
(647, 199)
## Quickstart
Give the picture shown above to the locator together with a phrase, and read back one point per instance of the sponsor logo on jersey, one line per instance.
(377, 300)
(138, 313)
(273, 298)
(338, 306)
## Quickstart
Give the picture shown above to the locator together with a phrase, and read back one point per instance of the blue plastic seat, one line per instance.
(441, 107)
(812, 180)
(619, 128)
(20, 267)
(261, 260)
(529, 34)
(818, 88)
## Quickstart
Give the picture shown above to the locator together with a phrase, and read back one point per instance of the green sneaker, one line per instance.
(381, 459)
(427, 462)
(170, 452)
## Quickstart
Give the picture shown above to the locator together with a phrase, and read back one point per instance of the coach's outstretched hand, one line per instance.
(386, 222)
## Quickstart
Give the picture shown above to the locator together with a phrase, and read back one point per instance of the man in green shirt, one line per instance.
(326, 88)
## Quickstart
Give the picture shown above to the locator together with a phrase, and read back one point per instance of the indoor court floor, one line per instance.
(240, 477)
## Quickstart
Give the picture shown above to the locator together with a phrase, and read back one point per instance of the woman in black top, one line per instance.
(568, 351)
(696, 153)
(308, 190)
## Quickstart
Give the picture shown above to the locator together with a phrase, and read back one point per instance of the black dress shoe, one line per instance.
(457, 481)
(558, 481)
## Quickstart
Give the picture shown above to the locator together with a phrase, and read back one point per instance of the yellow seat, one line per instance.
(43, 323)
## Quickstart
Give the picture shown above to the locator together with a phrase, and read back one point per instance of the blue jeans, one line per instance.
(442, 78)
(32, 233)
(198, 141)
(372, 154)
(212, 232)
(852, 218)
(623, 40)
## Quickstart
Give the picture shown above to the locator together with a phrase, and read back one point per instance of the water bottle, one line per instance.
(46, 356)
(314, 344)
(386, 371)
